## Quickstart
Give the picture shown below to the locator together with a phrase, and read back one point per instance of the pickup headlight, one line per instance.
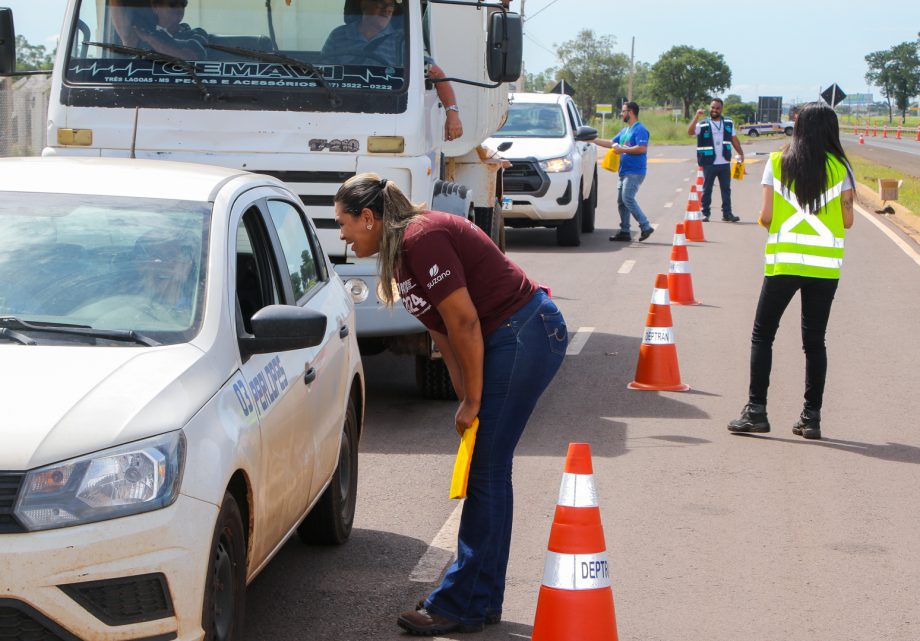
(556, 165)
(129, 479)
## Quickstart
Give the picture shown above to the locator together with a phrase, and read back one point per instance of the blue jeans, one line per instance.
(521, 358)
(627, 204)
(724, 174)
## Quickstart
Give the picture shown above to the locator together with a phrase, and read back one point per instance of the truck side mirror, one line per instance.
(7, 42)
(505, 48)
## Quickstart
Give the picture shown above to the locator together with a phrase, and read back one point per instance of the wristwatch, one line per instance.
(452, 108)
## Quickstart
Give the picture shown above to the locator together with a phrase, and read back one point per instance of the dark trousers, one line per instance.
(724, 174)
(775, 295)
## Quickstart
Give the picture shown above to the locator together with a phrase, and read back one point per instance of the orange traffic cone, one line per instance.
(899, 132)
(693, 218)
(657, 368)
(576, 601)
(680, 282)
(918, 134)
(885, 131)
(861, 141)
(874, 131)
(699, 177)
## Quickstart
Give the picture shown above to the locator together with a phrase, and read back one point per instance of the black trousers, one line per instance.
(724, 174)
(775, 295)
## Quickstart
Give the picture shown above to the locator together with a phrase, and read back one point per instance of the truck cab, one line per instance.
(292, 89)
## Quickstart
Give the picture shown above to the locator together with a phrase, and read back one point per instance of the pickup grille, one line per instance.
(524, 177)
(9, 490)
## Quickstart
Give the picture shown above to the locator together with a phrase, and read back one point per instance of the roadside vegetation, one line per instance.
(868, 173)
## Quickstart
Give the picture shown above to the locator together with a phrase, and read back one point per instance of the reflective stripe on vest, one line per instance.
(801, 243)
(576, 571)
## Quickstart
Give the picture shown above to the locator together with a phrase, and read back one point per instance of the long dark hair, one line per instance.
(392, 208)
(804, 163)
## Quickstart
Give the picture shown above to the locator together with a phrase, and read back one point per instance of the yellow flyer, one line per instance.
(462, 463)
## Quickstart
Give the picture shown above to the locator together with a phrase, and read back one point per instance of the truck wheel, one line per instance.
(590, 207)
(788, 131)
(433, 379)
(568, 234)
(492, 222)
(753, 133)
(225, 582)
(330, 521)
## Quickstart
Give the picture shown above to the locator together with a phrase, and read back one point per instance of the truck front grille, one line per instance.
(524, 177)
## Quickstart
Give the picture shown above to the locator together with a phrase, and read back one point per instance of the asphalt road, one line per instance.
(901, 154)
(710, 535)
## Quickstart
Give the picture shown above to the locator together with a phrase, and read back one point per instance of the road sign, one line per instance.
(563, 87)
(833, 95)
(604, 109)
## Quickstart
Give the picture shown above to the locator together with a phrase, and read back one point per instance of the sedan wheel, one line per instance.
(225, 583)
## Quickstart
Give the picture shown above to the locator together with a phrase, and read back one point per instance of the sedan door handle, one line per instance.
(343, 331)
(309, 376)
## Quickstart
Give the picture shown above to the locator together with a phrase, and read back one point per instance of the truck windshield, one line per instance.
(250, 48)
(109, 263)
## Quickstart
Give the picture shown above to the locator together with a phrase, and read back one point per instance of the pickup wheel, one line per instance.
(589, 208)
(753, 133)
(433, 379)
(568, 234)
(225, 583)
(330, 521)
(788, 131)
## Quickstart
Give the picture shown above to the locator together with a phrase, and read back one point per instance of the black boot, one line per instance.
(809, 425)
(753, 419)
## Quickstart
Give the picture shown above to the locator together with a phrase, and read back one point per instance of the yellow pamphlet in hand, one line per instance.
(738, 170)
(462, 464)
(611, 161)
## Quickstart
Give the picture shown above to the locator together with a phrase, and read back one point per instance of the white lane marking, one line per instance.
(577, 343)
(668, 205)
(686, 180)
(626, 267)
(680, 189)
(441, 552)
(907, 249)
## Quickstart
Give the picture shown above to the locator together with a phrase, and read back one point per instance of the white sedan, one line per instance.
(181, 390)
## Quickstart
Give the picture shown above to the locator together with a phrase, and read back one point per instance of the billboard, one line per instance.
(769, 108)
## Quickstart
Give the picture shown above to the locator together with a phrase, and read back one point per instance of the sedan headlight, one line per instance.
(357, 289)
(125, 480)
(556, 165)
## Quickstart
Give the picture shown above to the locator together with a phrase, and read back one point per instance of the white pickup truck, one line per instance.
(765, 128)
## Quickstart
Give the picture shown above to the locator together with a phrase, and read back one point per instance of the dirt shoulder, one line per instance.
(903, 218)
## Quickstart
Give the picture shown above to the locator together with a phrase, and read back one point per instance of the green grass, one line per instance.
(868, 173)
(911, 124)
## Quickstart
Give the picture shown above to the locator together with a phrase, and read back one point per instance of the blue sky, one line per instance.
(771, 49)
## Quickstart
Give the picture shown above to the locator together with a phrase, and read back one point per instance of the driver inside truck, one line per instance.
(372, 38)
(169, 34)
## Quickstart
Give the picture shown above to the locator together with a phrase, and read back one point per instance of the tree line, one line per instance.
(686, 76)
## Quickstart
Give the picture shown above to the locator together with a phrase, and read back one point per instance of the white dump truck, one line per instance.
(297, 90)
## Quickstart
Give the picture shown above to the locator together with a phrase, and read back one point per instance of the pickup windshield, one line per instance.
(248, 49)
(533, 120)
(105, 263)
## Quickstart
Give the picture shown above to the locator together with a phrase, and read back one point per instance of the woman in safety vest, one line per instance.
(807, 205)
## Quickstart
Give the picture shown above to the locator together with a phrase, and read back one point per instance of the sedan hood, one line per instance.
(61, 402)
(539, 148)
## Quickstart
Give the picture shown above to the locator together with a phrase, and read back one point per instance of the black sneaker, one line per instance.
(730, 219)
(753, 420)
(809, 425)
(646, 233)
(705, 219)
(627, 238)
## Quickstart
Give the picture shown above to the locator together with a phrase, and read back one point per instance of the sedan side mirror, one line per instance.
(7, 43)
(585, 134)
(279, 328)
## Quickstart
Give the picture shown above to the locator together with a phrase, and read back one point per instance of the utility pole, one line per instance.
(523, 80)
(632, 66)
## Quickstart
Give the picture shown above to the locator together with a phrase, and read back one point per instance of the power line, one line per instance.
(539, 44)
(529, 18)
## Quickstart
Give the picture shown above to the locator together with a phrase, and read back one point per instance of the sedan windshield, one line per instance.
(232, 46)
(106, 263)
(533, 120)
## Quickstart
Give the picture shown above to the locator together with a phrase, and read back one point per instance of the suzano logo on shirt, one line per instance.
(437, 275)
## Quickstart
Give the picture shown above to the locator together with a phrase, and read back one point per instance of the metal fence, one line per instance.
(24, 115)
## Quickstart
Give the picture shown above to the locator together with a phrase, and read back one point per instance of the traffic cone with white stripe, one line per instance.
(576, 601)
(657, 369)
(680, 282)
(700, 179)
(693, 217)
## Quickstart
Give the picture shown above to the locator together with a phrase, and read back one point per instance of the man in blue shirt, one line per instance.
(631, 144)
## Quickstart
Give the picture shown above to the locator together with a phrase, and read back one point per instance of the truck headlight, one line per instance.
(556, 165)
(129, 479)
(357, 289)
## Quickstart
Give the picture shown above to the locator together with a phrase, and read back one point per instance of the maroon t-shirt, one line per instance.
(442, 253)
